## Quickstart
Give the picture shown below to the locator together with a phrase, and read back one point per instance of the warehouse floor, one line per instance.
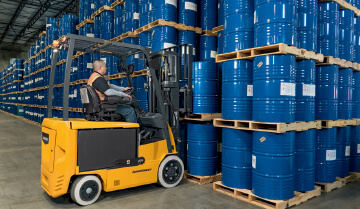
(20, 154)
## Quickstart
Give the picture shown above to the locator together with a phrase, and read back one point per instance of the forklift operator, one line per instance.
(102, 87)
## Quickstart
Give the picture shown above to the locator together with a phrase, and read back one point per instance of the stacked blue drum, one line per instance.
(357, 39)
(345, 93)
(205, 87)
(188, 10)
(202, 149)
(221, 21)
(355, 149)
(238, 25)
(275, 22)
(97, 20)
(307, 11)
(305, 160)
(163, 9)
(145, 18)
(119, 18)
(51, 30)
(163, 37)
(343, 151)
(236, 159)
(325, 155)
(207, 48)
(131, 15)
(237, 90)
(273, 175)
(356, 95)
(346, 35)
(208, 14)
(328, 29)
(274, 88)
(140, 93)
(305, 90)
(326, 101)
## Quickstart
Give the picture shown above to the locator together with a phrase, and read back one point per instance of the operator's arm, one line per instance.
(113, 92)
(117, 88)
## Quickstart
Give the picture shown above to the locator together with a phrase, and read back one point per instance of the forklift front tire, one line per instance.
(86, 190)
(171, 171)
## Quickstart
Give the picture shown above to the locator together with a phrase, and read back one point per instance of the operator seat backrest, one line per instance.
(89, 99)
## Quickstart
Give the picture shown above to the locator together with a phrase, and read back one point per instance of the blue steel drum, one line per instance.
(355, 149)
(140, 93)
(202, 149)
(274, 88)
(145, 12)
(345, 93)
(187, 37)
(145, 39)
(163, 37)
(80, 67)
(275, 22)
(239, 25)
(357, 39)
(205, 87)
(97, 27)
(208, 14)
(131, 15)
(328, 29)
(74, 70)
(273, 159)
(118, 21)
(88, 65)
(164, 9)
(346, 35)
(236, 81)
(236, 167)
(325, 155)
(305, 90)
(51, 30)
(88, 11)
(305, 160)
(182, 146)
(43, 43)
(220, 43)
(221, 15)
(356, 95)
(107, 25)
(343, 151)
(132, 59)
(68, 25)
(326, 100)
(82, 10)
(207, 48)
(307, 11)
(188, 12)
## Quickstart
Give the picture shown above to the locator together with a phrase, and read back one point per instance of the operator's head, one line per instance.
(100, 66)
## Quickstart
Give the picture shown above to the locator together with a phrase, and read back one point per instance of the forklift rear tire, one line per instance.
(86, 190)
(171, 171)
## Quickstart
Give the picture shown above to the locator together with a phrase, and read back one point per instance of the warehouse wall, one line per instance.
(8, 51)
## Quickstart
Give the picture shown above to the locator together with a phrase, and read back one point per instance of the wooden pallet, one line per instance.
(342, 63)
(247, 196)
(344, 5)
(42, 34)
(348, 179)
(202, 179)
(267, 127)
(104, 8)
(81, 81)
(217, 29)
(202, 116)
(87, 21)
(123, 36)
(139, 73)
(117, 2)
(208, 33)
(338, 123)
(270, 50)
(162, 22)
(328, 187)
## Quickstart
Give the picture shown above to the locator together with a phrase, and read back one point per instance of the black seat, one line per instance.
(97, 110)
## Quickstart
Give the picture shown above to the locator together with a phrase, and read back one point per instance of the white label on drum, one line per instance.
(168, 45)
(91, 35)
(287, 89)
(21, 110)
(150, 7)
(187, 147)
(358, 148)
(172, 2)
(191, 6)
(136, 56)
(309, 90)
(89, 65)
(249, 92)
(213, 54)
(92, 6)
(330, 155)
(48, 25)
(136, 16)
(75, 69)
(254, 161)
(103, 59)
(347, 151)
(218, 5)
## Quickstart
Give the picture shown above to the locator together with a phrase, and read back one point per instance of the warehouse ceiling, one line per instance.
(21, 21)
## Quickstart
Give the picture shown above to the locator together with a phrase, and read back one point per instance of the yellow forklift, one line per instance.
(101, 152)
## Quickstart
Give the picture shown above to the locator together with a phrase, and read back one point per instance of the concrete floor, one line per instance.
(20, 154)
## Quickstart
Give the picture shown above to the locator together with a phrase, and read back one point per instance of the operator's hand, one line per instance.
(127, 89)
(127, 95)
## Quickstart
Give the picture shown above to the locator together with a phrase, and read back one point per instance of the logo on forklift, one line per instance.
(45, 138)
(143, 170)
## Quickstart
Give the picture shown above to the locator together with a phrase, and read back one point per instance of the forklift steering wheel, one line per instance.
(131, 91)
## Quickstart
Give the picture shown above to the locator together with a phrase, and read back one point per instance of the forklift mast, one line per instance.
(164, 74)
